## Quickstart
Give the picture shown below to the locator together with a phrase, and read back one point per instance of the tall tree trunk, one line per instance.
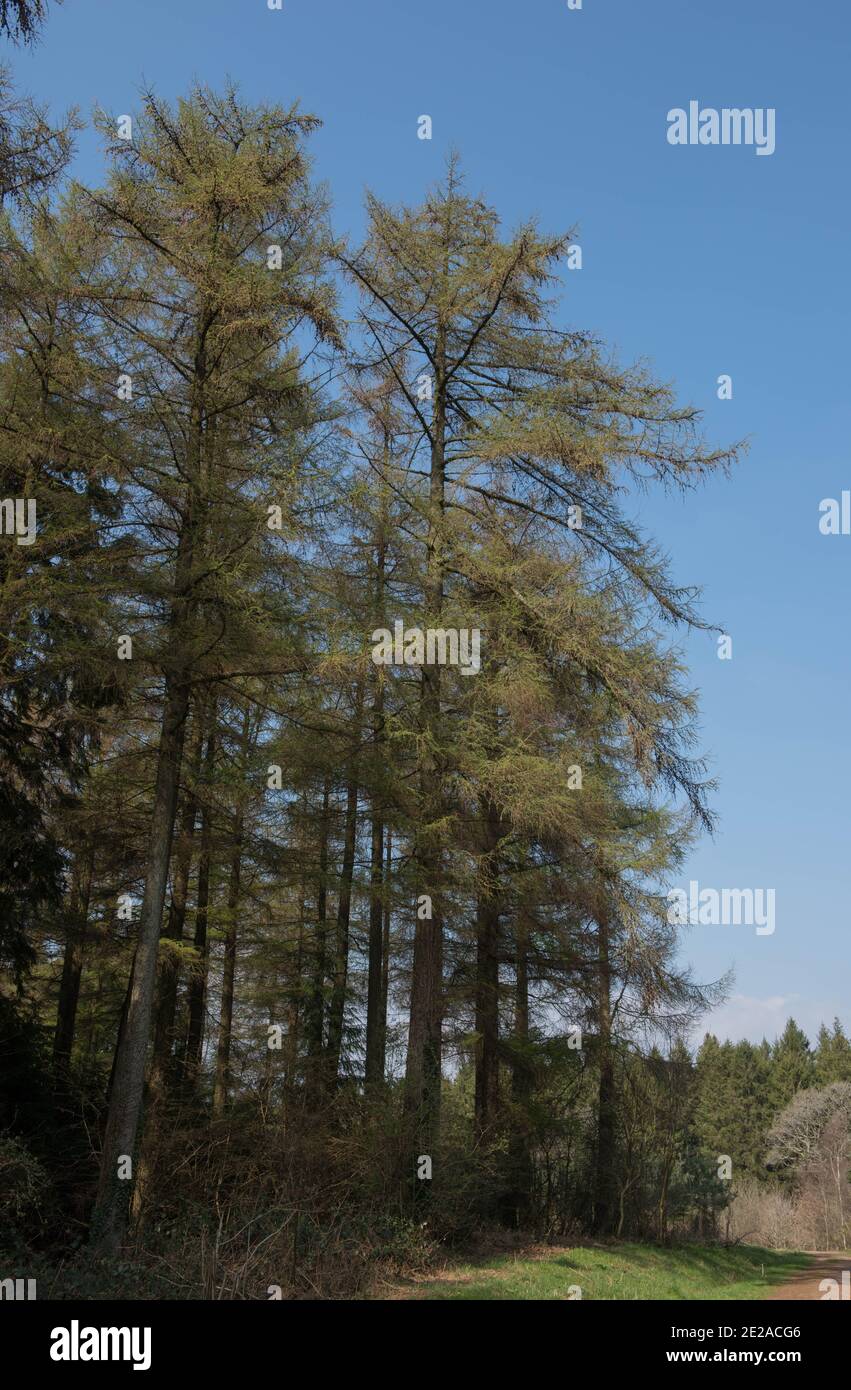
(169, 961)
(604, 1196)
(161, 1070)
(518, 1198)
(109, 1219)
(197, 984)
(221, 1084)
(374, 1062)
(337, 1009)
(72, 965)
(423, 1068)
(385, 950)
(375, 1025)
(315, 1020)
(122, 1028)
(119, 1143)
(294, 991)
(92, 1034)
(487, 975)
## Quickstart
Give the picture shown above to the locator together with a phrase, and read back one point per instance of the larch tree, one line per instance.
(215, 269)
(502, 411)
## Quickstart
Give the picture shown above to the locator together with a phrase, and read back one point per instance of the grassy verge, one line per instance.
(618, 1272)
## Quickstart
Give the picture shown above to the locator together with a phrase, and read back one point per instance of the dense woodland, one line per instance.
(313, 965)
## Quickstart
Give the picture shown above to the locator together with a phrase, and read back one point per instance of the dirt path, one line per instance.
(806, 1283)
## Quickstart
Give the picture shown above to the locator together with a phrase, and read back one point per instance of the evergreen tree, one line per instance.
(734, 1105)
(832, 1055)
(792, 1066)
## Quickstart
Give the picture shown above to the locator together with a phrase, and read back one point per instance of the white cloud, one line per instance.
(744, 1016)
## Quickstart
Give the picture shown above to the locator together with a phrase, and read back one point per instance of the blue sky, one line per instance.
(702, 260)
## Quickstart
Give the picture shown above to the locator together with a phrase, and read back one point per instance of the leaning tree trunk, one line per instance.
(109, 1219)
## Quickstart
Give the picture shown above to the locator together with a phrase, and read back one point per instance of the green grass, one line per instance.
(621, 1272)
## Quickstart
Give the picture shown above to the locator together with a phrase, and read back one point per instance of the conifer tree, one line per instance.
(217, 245)
(792, 1067)
(832, 1055)
(502, 410)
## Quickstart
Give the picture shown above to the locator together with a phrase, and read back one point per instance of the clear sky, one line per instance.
(705, 260)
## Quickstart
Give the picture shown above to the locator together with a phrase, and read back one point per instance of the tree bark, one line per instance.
(109, 1219)
(72, 965)
(294, 1004)
(197, 985)
(423, 1068)
(487, 976)
(161, 1070)
(385, 950)
(604, 1196)
(337, 1009)
(519, 1195)
(119, 1143)
(315, 1020)
(374, 1071)
(221, 1084)
(169, 962)
(374, 1062)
